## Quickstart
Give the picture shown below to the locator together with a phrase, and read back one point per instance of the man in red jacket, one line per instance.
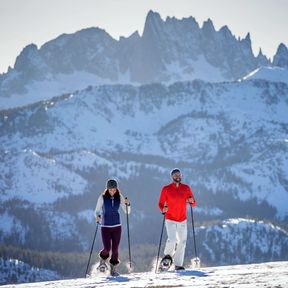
(172, 203)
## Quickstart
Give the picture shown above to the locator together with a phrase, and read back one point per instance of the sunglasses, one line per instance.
(176, 175)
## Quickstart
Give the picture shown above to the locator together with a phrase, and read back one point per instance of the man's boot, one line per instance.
(165, 263)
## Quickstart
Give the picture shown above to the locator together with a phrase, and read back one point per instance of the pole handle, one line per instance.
(164, 213)
(126, 203)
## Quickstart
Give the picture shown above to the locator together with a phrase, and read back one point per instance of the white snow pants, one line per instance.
(176, 242)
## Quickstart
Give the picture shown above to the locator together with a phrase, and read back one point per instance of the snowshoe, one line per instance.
(179, 268)
(165, 263)
(113, 271)
(102, 266)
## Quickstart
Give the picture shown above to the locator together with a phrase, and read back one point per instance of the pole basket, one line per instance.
(129, 266)
(196, 263)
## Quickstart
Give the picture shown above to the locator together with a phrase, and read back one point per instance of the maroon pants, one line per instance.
(111, 237)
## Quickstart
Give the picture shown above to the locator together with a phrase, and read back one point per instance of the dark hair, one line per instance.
(175, 170)
(106, 194)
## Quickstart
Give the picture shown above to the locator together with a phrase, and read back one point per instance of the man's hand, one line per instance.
(98, 219)
(165, 209)
(191, 200)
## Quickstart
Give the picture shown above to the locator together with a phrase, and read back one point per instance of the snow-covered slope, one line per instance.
(273, 274)
(14, 271)
(169, 50)
(229, 139)
(233, 136)
(273, 74)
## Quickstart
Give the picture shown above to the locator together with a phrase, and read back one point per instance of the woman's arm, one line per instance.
(98, 208)
(123, 202)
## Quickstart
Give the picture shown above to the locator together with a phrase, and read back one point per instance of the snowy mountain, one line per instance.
(14, 271)
(229, 139)
(273, 274)
(168, 50)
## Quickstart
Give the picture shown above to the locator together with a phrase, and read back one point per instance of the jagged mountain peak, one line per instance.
(282, 48)
(247, 40)
(153, 16)
(281, 57)
(153, 24)
(208, 26)
(262, 59)
(260, 53)
(225, 30)
(27, 56)
(169, 50)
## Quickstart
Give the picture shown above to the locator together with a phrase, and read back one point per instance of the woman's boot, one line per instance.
(113, 271)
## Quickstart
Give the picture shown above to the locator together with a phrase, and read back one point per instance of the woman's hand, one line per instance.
(98, 219)
(127, 202)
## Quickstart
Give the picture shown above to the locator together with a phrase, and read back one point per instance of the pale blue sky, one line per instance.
(36, 21)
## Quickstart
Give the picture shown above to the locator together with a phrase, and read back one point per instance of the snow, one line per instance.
(13, 270)
(201, 70)
(272, 274)
(34, 171)
(274, 74)
(56, 85)
(150, 120)
(62, 225)
(84, 132)
(247, 236)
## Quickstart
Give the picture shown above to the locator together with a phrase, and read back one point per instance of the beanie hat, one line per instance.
(175, 170)
(111, 183)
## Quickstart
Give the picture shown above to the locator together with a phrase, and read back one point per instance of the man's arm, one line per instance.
(162, 199)
(191, 198)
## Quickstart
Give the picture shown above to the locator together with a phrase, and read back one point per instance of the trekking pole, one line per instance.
(128, 233)
(160, 241)
(194, 238)
(92, 248)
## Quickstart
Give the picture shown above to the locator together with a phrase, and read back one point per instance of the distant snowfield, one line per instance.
(56, 86)
(60, 84)
(273, 74)
(273, 274)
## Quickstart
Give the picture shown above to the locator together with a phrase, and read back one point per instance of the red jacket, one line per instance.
(176, 199)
